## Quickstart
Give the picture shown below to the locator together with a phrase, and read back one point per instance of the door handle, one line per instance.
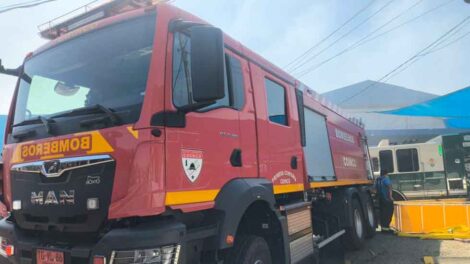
(236, 158)
(293, 162)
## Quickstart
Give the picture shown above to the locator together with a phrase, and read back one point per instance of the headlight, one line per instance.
(162, 255)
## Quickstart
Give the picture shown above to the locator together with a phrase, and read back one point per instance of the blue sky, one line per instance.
(282, 30)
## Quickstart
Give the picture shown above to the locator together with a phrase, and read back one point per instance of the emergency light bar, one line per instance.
(90, 13)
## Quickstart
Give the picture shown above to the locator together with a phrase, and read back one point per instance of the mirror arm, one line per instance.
(12, 72)
(193, 107)
(18, 72)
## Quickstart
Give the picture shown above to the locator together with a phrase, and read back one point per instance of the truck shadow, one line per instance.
(391, 249)
(333, 253)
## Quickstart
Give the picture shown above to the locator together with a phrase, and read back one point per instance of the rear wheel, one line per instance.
(371, 222)
(355, 234)
(249, 250)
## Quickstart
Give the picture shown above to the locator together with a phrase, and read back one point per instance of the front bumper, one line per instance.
(143, 236)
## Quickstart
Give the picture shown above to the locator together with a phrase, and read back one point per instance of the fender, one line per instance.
(233, 200)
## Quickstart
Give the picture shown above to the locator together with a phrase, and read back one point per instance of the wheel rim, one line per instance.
(258, 262)
(370, 215)
(358, 223)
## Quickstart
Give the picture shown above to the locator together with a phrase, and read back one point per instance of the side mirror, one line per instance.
(207, 64)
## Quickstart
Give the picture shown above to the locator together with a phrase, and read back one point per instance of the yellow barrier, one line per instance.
(457, 232)
(445, 219)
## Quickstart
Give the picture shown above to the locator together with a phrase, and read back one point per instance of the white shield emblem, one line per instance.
(192, 163)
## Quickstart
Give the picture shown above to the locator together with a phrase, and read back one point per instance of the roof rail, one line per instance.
(91, 12)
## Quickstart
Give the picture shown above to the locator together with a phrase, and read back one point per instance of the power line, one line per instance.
(450, 43)
(359, 42)
(25, 5)
(409, 21)
(409, 61)
(435, 49)
(302, 56)
(19, 4)
(381, 34)
(448, 37)
(343, 36)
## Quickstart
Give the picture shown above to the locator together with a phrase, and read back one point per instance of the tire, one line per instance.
(370, 217)
(398, 196)
(355, 234)
(249, 250)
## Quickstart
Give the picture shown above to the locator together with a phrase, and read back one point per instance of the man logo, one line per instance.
(50, 198)
(51, 167)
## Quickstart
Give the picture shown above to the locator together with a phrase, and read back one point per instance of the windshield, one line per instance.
(106, 67)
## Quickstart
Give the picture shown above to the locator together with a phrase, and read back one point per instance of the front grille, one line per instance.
(60, 202)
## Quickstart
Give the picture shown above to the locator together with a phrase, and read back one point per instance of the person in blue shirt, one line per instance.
(384, 192)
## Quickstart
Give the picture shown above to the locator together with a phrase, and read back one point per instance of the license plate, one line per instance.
(49, 257)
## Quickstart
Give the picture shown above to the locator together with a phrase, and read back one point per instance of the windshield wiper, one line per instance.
(47, 122)
(110, 114)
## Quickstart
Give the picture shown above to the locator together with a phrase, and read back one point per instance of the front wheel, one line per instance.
(249, 250)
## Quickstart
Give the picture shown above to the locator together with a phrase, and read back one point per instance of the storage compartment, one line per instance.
(299, 226)
(317, 149)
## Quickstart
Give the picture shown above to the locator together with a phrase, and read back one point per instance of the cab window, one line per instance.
(407, 160)
(386, 160)
(276, 95)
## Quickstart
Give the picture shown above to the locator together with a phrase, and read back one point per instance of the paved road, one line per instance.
(391, 249)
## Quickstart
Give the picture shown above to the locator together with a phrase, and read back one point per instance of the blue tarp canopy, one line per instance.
(454, 108)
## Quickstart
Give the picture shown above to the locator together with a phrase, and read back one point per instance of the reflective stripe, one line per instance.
(288, 188)
(133, 132)
(338, 183)
(188, 197)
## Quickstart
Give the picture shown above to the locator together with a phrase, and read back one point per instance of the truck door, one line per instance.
(409, 172)
(466, 153)
(454, 163)
(280, 153)
(203, 152)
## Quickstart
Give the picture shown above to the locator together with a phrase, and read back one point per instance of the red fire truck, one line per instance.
(141, 134)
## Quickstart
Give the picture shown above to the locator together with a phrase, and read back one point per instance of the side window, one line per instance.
(276, 95)
(182, 91)
(235, 80)
(386, 160)
(375, 164)
(181, 70)
(407, 160)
